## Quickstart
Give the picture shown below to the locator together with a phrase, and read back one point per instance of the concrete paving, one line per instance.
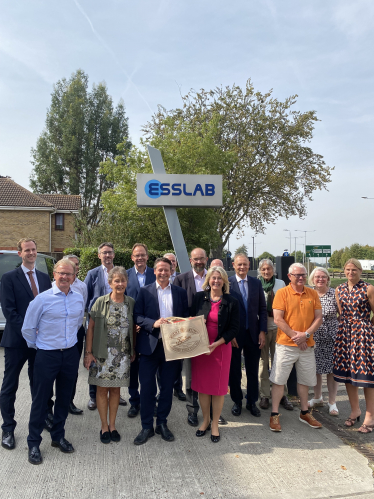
(250, 461)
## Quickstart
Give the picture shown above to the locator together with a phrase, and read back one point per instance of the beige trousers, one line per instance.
(263, 371)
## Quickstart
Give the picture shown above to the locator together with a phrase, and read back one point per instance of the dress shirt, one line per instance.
(172, 277)
(245, 282)
(165, 301)
(141, 276)
(107, 287)
(57, 318)
(25, 270)
(80, 287)
(199, 281)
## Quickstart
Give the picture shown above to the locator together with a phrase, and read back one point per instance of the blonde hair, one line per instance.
(311, 277)
(222, 272)
(355, 262)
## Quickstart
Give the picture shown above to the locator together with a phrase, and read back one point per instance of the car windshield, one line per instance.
(11, 261)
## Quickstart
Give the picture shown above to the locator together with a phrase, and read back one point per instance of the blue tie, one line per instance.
(245, 299)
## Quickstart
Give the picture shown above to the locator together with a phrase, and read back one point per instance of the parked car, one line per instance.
(9, 260)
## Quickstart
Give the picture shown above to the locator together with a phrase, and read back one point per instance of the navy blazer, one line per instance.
(96, 285)
(257, 314)
(15, 297)
(147, 312)
(133, 287)
(187, 282)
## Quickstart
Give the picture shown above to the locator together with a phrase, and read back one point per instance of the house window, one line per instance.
(59, 221)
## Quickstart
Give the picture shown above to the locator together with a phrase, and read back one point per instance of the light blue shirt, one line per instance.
(26, 271)
(107, 287)
(141, 277)
(53, 319)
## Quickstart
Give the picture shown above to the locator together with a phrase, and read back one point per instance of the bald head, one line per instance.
(217, 263)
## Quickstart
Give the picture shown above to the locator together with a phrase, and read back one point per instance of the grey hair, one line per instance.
(117, 271)
(265, 261)
(298, 265)
(311, 277)
(67, 257)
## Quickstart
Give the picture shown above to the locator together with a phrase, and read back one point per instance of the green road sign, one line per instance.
(318, 250)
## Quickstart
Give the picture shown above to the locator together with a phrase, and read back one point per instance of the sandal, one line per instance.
(366, 428)
(351, 421)
(315, 402)
(333, 410)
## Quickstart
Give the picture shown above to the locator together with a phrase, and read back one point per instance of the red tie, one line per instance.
(34, 289)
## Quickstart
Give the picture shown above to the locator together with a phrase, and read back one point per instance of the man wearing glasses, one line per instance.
(298, 314)
(51, 324)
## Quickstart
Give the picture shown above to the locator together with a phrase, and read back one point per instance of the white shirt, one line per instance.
(199, 281)
(25, 270)
(245, 282)
(165, 301)
(81, 288)
(108, 289)
(141, 276)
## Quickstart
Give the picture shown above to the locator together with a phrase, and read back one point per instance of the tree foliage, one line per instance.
(339, 257)
(82, 130)
(267, 255)
(260, 143)
(242, 249)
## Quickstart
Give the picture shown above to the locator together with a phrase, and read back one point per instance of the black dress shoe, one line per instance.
(34, 456)
(92, 404)
(287, 404)
(7, 440)
(74, 410)
(115, 436)
(181, 396)
(48, 424)
(192, 419)
(133, 411)
(215, 438)
(254, 410)
(63, 445)
(222, 420)
(163, 430)
(122, 401)
(201, 433)
(144, 435)
(105, 437)
(236, 410)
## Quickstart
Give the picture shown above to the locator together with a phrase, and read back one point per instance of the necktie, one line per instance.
(34, 289)
(245, 299)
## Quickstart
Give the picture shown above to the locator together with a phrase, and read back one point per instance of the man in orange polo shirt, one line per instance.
(298, 314)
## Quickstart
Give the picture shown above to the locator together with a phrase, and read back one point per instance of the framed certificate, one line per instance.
(184, 338)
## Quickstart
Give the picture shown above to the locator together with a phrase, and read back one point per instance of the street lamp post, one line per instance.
(304, 256)
(287, 230)
(297, 237)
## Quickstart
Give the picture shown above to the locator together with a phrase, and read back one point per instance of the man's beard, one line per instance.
(198, 267)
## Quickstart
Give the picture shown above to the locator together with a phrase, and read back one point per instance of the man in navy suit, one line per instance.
(97, 285)
(154, 304)
(138, 276)
(253, 327)
(18, 288)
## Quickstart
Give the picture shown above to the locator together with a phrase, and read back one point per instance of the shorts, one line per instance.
(284, 359)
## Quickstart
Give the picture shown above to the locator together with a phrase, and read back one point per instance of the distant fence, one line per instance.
(341, 275)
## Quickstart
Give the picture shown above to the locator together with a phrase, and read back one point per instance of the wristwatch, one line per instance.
(307, 335)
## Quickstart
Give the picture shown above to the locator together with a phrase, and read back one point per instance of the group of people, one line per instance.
(317, 329)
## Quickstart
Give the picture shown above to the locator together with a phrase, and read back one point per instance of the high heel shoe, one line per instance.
(349, 422)
(201, 433)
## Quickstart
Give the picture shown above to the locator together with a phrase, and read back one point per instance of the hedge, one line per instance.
(89, 259)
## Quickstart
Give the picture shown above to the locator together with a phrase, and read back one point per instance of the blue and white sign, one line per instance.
(193, 191)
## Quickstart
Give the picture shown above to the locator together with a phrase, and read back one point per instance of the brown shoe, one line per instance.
(286, 403)
(310, 420)
(274, 423)
(264, 403)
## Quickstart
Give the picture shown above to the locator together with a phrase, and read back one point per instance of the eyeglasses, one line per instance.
(199, 259)
(61, 274)
(105, 253)
(298, 276)
(142, 255)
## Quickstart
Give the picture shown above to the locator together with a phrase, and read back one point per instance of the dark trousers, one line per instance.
(292, 383)
(252, 355)
(50, 366)
(134, 382)
(178, 383)
(80, 337)
(191, 396)
(15, 359)
(148, 365)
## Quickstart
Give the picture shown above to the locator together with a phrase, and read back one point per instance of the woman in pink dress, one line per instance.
(210, 372)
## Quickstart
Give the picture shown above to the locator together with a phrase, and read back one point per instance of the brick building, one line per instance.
(47, 218)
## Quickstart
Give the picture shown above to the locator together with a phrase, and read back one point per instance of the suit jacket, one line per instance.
(147, 311)
(96, 285)
(16, 295)
(133, 287)
(228, 314)
(257, 314)
(187, 282)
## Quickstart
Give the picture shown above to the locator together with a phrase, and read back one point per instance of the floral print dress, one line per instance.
(114, 371)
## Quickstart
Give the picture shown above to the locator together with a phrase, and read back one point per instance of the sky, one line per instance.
(150, 52)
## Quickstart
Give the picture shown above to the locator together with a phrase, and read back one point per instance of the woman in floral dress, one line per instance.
(110, 350)
(354, 346)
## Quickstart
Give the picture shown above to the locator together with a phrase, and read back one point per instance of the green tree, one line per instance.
(82, 130)
(335, 259)
(299, 256)
(267, 255)
(261, 142)
(242, 249)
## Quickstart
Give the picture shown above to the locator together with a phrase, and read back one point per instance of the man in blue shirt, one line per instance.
(51, 324)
